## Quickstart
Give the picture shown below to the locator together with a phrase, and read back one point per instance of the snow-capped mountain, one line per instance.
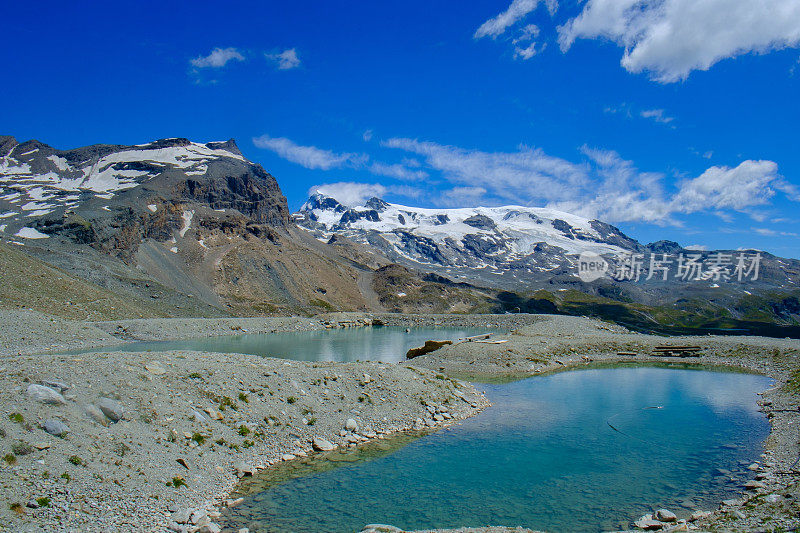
(512, 247)
(510, 240)
(39, 183)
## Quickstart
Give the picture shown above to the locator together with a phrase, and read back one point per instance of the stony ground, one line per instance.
(192, 421)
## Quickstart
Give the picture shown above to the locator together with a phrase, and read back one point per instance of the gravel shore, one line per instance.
(191, 423)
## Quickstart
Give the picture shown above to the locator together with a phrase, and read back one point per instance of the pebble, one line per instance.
(351, 425)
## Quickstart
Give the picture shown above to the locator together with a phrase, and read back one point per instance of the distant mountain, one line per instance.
(524, 250)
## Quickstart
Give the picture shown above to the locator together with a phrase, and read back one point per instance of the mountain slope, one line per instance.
(199, 221)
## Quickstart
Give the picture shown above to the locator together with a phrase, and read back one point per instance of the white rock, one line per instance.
(351, 425)
(664, 515)
(699, 515)
(154, 367)
(182, 516)
(244, 469)
(42, 394)
(55, 427)
(322, 445)
(648, 523)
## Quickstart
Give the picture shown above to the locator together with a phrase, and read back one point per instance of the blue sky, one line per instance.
(672, 119)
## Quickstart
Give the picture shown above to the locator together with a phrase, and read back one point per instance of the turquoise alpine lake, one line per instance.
(582, 450)
(387, 344)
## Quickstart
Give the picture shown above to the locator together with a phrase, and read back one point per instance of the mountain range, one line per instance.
(179, 228)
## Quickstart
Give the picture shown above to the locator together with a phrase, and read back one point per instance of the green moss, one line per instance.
(244, 431)
(10, 458)
(77, 461)
(43, 502)
(16, 418)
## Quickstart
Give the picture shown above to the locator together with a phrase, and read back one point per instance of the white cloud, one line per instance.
(367, 135)
(307, 156)
(657, 114)
(697, 247)
(605, 186)
(461, 196)
(509, 176)
(750, 184)
(397, 171)
(312, 157)
(496, 26)
(218, 58)
(353, 194)
(286, 60)
(350, 193)
(774, 233)
(671, 38)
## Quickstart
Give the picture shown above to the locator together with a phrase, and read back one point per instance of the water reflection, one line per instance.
(543, 456)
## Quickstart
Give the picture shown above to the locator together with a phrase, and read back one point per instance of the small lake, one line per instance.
(584, 450)
(388, 344)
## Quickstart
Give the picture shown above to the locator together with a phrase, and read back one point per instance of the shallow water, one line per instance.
(388, 344)
(544, 456)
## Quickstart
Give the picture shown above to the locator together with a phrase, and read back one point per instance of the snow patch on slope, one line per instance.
(30, 233)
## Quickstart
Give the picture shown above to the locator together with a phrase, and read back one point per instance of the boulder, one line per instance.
(94, 413)
(154, 367)
(664, 515)
(322, 445)
(648, 523)
(351, 425)
(42, 394)
(699, 515)
(55, 427)
(243, 469)
(113, 409)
